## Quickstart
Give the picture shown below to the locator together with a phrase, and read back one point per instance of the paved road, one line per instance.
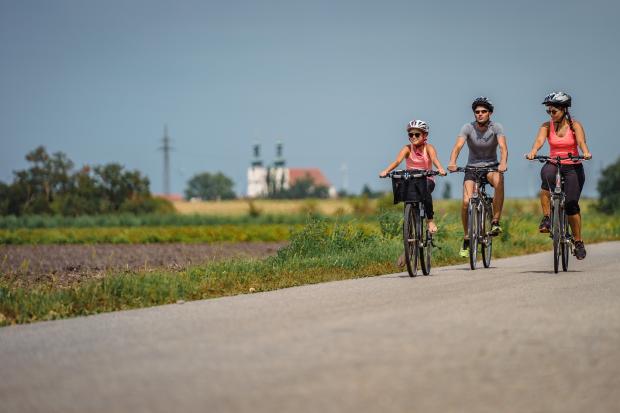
(515, 338)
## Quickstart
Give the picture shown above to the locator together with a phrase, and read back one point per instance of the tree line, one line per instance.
(51, 186)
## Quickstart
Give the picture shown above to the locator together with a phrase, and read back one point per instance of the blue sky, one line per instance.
(336, 81)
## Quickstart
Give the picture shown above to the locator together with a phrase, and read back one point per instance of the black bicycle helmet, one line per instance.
(482, 101)
(558, 99)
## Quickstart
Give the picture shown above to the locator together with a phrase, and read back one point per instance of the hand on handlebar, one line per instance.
(452, 167)
(502, 167)
(587, 156)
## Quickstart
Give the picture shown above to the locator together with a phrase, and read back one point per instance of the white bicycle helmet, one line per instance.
(558, 99)
(417, 124)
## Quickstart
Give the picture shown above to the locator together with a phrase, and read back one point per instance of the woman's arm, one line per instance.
(580, 136)
(432, 153)
(401, 155)
(543, 132)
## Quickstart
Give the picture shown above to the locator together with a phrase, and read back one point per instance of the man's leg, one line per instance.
(496, 180)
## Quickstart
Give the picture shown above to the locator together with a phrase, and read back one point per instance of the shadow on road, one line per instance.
(547, 272)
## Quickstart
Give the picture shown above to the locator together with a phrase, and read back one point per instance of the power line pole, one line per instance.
(166, 148)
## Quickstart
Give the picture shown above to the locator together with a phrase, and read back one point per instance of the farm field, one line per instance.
(90, 275)
(239, 207)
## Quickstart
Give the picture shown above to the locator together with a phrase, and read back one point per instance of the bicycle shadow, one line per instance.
(548, 272)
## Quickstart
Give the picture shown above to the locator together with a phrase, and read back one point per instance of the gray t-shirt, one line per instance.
(482, 145)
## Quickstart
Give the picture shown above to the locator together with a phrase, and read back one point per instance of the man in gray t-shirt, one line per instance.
(483, 137)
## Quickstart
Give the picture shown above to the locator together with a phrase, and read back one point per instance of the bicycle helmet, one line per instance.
(558, 99)
(482, 101)
(417, 124)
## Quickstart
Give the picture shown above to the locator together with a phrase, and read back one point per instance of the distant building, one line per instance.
(263, 181)
(169, 197)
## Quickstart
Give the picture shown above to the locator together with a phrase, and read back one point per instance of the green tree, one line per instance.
(208, 186)
(608, 187)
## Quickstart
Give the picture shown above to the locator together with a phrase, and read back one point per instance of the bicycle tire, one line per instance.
(472, 229)
(487, 241)
(409, 240)
(566, 237)
(555, 234)
(427, 253)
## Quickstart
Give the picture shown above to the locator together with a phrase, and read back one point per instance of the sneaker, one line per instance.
(464, 252)
(545, 225)
(580, 250)
(496, 229)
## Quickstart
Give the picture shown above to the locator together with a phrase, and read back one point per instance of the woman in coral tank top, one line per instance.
(419, 155)
(564, 136)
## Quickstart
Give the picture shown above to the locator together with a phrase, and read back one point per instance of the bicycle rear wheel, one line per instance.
(566, 241)
(556, 234)
(473, 231)
(410, 239)
(487, 240)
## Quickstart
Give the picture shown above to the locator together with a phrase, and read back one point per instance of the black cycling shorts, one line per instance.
(574, 178)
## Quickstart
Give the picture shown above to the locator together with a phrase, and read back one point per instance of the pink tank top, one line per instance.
(562, 145)
(419, 159)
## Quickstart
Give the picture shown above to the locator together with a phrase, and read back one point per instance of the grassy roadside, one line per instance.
(318, 252)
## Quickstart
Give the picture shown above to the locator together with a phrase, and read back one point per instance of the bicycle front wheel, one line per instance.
(487, 240)
(427, 253)
(556, 234)
(566, 241)
(473, 231)
(410, 239)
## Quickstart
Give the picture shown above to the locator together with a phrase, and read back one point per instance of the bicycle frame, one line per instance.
(560, 230)
(418, 241)
(479, 210)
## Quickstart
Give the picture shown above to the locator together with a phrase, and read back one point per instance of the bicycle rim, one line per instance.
(473, 227)
(487, 242)
(409, 238)
(555, 233)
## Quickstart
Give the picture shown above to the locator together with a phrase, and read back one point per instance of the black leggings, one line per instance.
(574, 178)
(428, 203)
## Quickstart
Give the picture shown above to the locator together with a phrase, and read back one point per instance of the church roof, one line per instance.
(315, 174)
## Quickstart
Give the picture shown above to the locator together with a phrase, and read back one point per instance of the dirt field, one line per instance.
(65, 264)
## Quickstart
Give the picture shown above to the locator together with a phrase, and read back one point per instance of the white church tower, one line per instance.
(257, 176)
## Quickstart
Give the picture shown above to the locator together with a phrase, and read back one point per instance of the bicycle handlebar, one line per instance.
(570, 157)
(410, 173)
(476, 169)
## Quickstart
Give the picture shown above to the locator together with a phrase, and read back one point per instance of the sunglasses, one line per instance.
(552, 111)
(479, 112)
(417, 134)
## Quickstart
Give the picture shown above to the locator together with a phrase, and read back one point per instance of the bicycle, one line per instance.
(479, 217)
(417, 239)
(560, 230)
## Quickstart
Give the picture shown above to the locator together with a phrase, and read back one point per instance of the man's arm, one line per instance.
(460, 141)
(503, 150)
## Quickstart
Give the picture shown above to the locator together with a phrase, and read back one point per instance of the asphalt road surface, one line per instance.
(513, 338)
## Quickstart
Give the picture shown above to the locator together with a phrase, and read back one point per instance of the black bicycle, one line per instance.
(479, 217)
(563, 245)
(417, 239)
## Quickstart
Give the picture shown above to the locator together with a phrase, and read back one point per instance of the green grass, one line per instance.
(320, 251)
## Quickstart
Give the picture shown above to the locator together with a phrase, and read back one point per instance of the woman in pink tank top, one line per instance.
(419, 155)
(564, 135)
